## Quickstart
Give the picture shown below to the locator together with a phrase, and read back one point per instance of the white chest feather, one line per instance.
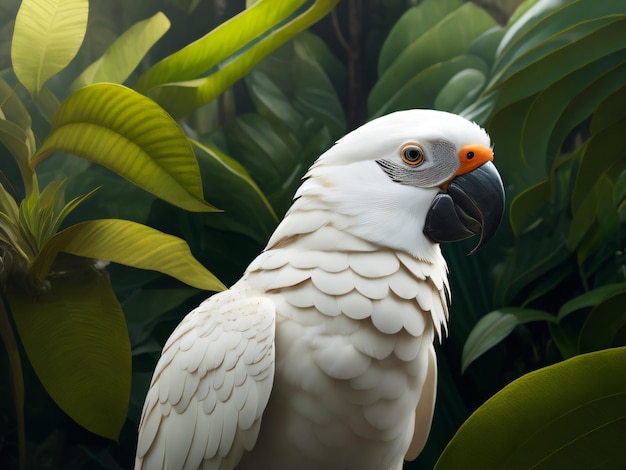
(353, 331)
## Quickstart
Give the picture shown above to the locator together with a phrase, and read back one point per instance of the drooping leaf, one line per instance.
(495, 326)
(75, 337)
(128, 133)
(47, 36)
(227, 53)
(123, 56)
(568, 415)
(128, 243)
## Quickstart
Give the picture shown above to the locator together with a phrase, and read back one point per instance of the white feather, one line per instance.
(352, 291)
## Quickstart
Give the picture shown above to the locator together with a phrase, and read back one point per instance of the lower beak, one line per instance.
(472, 205)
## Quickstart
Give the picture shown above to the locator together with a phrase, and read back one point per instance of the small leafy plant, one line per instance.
(57, 300)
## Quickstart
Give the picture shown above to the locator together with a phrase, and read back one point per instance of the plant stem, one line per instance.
(10, 342)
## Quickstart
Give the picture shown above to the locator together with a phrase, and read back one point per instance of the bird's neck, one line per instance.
(361, 202)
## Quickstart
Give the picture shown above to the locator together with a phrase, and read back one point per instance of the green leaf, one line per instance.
(494, 327)
(528, 204)
(568, 101)
(604, 323)
(15, 130)
(447, 39)
(412, 24)
(127, 243)
(590, 299)
(546, 67)
(569, 415)
(601, 152)
(128, 133)
(126, 52)
(538, 31)
(145, 307)
(460, 91)
(75, 337)
(246, 209)
(227, 53)
(421, 90)
(47, 36)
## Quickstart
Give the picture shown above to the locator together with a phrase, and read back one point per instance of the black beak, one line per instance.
(472, 205)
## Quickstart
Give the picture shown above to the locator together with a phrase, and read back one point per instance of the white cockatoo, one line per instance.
(322, 356)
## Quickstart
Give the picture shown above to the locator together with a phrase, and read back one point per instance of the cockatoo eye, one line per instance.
(412, 155)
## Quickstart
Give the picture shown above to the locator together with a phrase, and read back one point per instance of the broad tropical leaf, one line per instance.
(414, 23)
(128, 243)
(442, 42)
(76, 340)
(569, 415)
(229, 52)
(47, 36)
(123, 56)
(128, 133)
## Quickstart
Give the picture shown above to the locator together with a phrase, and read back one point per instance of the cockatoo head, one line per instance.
(410, 180)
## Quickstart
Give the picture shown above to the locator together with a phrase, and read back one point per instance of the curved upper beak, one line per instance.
(473, 201)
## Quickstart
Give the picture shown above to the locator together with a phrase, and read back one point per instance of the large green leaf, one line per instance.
(75, 337)
(442, 41)
(412, 24)
(545, 67)
(227, 53)
(569, 415)
(594, 81)
(129, 243)
(128, 133)
(421, 90)
(48, 34)
(538, 31)
(495, 326)
(123, 56)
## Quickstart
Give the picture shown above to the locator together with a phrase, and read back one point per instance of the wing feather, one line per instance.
(216, 375)
(425, 408)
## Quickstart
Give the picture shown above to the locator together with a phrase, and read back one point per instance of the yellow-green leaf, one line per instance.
(76, 339)
(123, 56)
(129, 243)
(568, 415)
(180, 82)
(47, 36)
(130, 134)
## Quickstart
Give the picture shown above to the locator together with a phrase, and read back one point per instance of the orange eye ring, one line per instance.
(412, 154)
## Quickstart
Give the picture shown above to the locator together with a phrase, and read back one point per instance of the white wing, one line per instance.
(210, 386)
(425, 408)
